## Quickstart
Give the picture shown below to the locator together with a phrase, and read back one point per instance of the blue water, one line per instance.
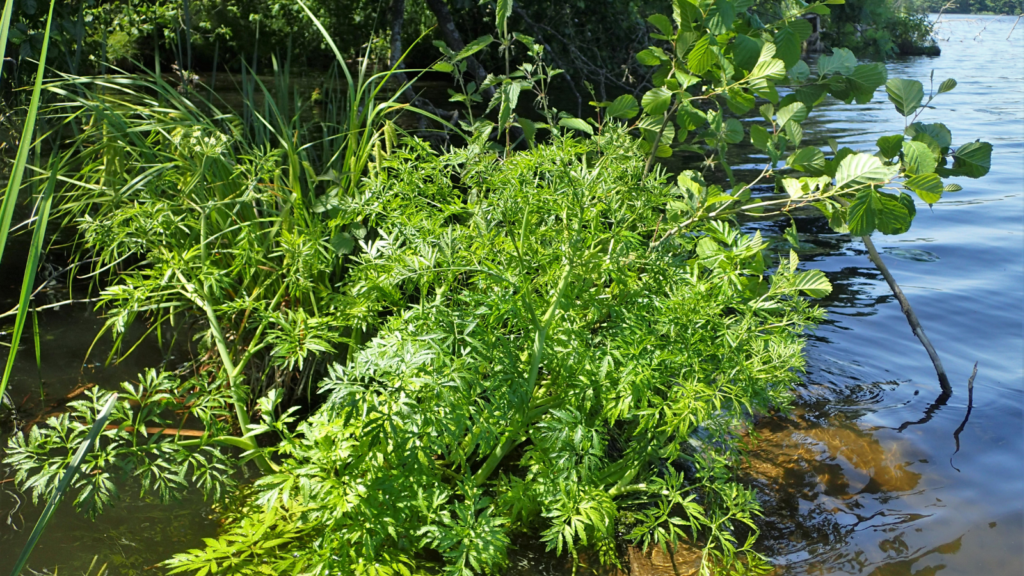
(847, 492)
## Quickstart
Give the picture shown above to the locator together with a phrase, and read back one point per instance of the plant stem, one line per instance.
(915, 324)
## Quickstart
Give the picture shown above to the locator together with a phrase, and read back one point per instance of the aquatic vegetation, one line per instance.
(550, 371)
(534, 330)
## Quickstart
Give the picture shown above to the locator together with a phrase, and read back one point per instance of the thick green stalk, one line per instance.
(516, 436)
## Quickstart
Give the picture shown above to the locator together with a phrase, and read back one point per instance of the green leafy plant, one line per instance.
(527, 333)
(68, 474)
(551, 370)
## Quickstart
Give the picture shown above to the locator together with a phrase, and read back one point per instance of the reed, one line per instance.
(10, 198)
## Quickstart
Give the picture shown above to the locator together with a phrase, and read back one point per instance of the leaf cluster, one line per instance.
(550, 371)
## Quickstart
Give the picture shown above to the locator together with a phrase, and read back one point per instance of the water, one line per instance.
(846, 490)
(861, 478)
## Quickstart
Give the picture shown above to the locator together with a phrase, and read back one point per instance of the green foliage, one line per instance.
(552, 371)
(67, 476)
(530, 332)
(1011, 7)
(13, 191)
(878, 28)
(142, 442)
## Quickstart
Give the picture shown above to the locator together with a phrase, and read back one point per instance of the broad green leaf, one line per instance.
(930, 142)
(689, 118)
(938, 132)
(947, 85)
(842, 61)
(509, 99)
(576, 124)
(733, 133)
(890, 146)
(896, 213)
(800, 71)
(814, 283)
(529, 130)
(624, 107)
(767, 52)
(343, 243)
(684, 12)
(787, 46)
(928, 187)
(795, 132)
(662, 23)
(745, 51)
(973, 159)
(474, 47)
(443, 67)
(839, 88)
(809, 159)
(739, 101)
(918, 158)
(810, 94)
(771, 69)
(650, 126)
(720, 17)
(801, 27)
(859, 169)
(657, 100)
(684, 40)
(792, 187)
(501, 13)
(863, 212)
(702, 56)
(865, 79)
(647, 58)
(906, 95)
(952, 188)
(759, 137)
(798, 188)
(796, 112)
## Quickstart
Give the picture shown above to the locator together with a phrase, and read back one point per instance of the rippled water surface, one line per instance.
(862, 477)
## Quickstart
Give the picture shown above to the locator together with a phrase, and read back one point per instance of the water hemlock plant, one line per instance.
(538, 333)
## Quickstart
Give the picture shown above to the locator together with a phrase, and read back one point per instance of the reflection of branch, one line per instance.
(915, 324)
(970, 405)
(929, 412)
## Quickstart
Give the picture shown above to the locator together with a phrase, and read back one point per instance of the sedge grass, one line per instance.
(14, 187)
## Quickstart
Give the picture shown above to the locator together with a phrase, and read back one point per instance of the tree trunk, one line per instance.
(395, 61)
(397, 20)
(452, 38)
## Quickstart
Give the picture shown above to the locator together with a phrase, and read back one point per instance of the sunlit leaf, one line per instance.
(906, 95)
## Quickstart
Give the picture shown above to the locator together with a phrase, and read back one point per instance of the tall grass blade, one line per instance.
(18, 170)
(62, 487)
(31, 265)
(5, 27)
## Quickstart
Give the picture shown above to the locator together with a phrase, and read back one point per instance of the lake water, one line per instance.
(861, 478)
